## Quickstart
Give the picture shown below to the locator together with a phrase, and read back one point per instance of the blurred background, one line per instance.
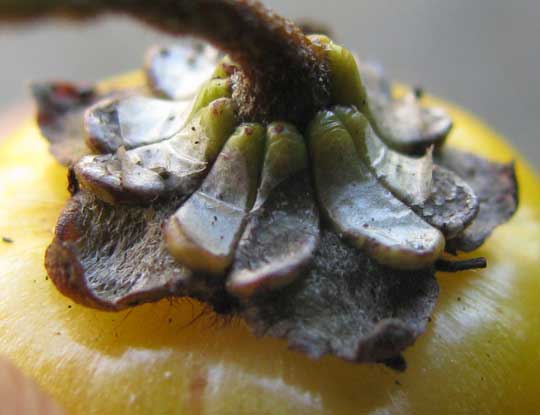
(482, 54)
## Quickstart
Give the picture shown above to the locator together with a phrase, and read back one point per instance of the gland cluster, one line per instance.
(285, 183)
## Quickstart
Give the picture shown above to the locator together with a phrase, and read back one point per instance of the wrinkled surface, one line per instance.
(436, 194)
(133, 121)
(172, 167)
(360, 208)
(452, 205)
(348, 305)
(61, 107)
(496, 187)
(408, 177)
(177, 72)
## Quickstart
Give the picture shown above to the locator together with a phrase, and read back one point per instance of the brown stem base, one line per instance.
(284, 75)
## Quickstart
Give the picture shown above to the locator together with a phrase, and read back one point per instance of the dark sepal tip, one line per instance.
(463, 265)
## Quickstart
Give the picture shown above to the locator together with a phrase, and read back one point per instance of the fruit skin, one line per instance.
(480, 355)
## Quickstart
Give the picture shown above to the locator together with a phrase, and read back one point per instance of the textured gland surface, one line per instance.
(452, 204)
(279, 238)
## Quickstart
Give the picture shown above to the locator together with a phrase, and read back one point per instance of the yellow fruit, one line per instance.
(481, 354)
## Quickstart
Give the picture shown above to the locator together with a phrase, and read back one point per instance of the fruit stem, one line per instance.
(284, 75)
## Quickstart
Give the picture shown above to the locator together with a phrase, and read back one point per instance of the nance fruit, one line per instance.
(314, 208)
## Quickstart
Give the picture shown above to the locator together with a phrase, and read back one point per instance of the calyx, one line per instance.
(293, 188)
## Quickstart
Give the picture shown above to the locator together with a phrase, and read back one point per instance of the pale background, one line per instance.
(482, 54)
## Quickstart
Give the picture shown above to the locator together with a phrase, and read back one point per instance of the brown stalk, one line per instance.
(284, 75)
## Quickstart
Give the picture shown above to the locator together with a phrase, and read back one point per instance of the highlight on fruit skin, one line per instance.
(284, 218)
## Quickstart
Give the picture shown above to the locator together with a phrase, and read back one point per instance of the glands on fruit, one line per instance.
(285, 189)
(479, 356)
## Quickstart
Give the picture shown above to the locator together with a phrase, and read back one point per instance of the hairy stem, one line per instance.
(284, 75)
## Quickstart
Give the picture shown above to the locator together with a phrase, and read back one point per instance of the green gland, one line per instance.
(204, 232)
(210, 91)
(282, 231)
(345, 82)
(360, 208)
